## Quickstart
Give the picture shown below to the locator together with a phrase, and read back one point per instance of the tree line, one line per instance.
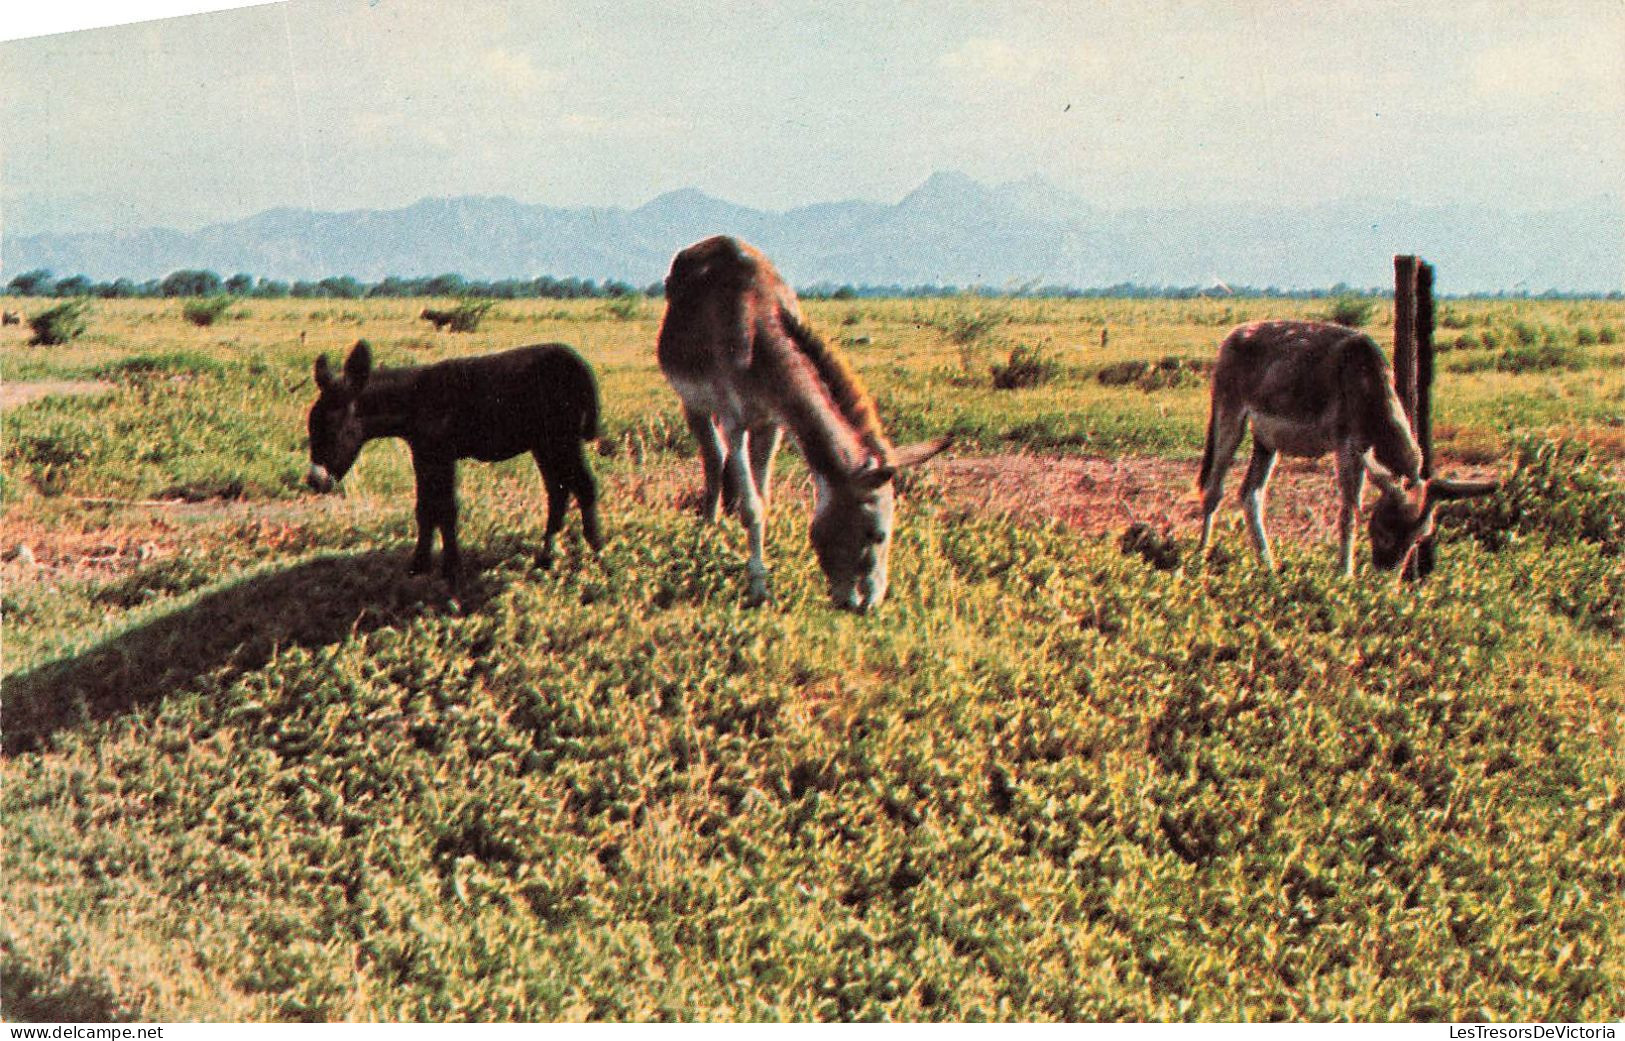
(204, 283)
(190, 283)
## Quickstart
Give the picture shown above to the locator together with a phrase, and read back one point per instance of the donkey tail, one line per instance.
(589, 409)
(1207, 450)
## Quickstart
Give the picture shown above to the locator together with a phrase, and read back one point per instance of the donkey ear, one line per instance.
(914, 455)
(358, 366)
(1444, 489)
(871, 474)
(1383, 477)
(324, 373)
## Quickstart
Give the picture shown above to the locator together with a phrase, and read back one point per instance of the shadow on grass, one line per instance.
(30, 996)
(235, 628)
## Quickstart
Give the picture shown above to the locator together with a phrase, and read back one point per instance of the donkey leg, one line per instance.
(750, 512)
(1224, 437)
(712, 458)
(579, 478)
(437, 509)
(558, 500)
(764, 443)
(1252, 499)
(1350, 485)
(427, 517)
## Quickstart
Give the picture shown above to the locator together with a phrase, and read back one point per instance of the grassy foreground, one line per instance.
(268, 776)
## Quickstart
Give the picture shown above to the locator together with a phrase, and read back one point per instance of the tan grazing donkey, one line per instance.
(734, 347)
(1308, 388)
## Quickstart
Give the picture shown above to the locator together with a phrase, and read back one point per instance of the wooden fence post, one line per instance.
(1422, 420)
(1405, 334)
(1413, 373)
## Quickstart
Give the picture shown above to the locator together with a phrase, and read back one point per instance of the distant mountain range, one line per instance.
(951, 230)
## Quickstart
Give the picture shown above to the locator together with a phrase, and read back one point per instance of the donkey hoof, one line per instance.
(418, 567)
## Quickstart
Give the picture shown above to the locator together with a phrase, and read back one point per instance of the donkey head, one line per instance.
(336, 433)
(1403, 516)
(852, 526)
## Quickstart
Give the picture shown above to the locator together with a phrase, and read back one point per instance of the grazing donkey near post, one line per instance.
(1308, 388)
(542, 400)
(734, 347)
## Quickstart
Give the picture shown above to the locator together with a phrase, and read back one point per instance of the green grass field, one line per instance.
(253, 771)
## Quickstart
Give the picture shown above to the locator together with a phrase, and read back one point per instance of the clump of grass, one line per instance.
(1169, 372)
(60, 324)
(972, 326)
(463, 317)
(625, 308)
(160, 366)
(1473, 445)
(1122, 373)
(1352, 311)
(968, 328)
(206, 311)
(1450, 318)
(1550, 355)
(1027, 366)
(1557, 493)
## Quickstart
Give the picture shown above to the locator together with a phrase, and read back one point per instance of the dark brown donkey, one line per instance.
(542, 400)
(735, 349)
(1308, 388)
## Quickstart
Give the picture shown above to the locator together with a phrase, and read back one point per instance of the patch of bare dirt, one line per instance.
(122, 536)
(1091, 495)
(18, 392)
(1100, 496)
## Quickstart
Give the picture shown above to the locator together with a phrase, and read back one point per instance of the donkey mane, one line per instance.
(1366, 380)
(840, 381)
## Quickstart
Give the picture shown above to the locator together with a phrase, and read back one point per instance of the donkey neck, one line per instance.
(821, 399)
(386, 403)
(832, 446)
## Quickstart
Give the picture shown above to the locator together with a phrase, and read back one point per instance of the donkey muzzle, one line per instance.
(319, 479)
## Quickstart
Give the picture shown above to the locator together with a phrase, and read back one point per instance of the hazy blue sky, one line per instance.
(340, 104)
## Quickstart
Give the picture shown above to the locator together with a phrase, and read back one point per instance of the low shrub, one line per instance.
(1519, 358)
(64, 322)
(1026, 367)
(1352, 311)
(970, 326)
(1122, 373)
(1556, 493)
(161, 366)
(206, 311)
(464, 317)
(1168, 373)
(625, 308)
